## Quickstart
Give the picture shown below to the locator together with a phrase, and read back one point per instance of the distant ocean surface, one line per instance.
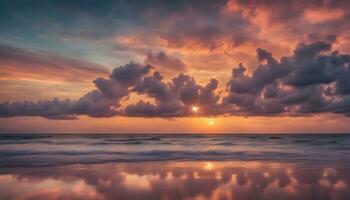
(48, 150)
(175, 167)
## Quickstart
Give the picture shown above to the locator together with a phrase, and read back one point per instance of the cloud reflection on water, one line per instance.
(177, 180)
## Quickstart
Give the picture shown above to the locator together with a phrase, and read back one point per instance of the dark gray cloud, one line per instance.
(343, 82)
(314, 79)
(130, 74)
(175, 98)
(165, 61)
(101, 102)
(50, 109)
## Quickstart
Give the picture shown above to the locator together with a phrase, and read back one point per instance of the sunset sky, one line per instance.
(187, 66)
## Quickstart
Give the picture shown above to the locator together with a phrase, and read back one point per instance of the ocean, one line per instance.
(175, 167)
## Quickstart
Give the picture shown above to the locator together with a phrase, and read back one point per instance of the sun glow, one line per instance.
(211, 122)
(195, 108)
(209, 166)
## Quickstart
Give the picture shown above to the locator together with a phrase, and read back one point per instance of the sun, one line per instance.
(211, 122)
(195, 108)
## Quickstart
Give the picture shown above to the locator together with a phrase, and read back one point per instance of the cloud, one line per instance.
(50, 108)
(164, 25)
(314, 79)
(130, 74)
(203, 36)
(165, 61)
(34, 64)
(101, 102)
(173, 99)
(309, 81)
(239, 39)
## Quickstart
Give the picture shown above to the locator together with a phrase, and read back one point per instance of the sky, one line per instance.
(187, 66)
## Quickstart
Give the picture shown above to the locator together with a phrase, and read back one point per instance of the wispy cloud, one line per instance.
(20, 63)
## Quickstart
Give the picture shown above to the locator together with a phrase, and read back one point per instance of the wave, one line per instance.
(33, 158)
(44, 150)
